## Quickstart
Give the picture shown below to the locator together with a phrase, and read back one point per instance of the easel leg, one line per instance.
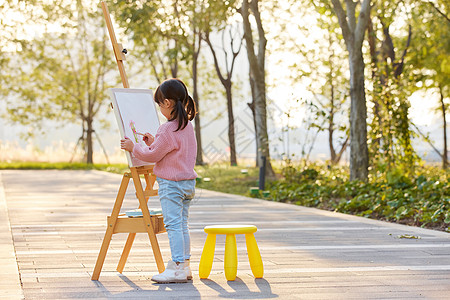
(155, 247)
(111, 225)
(147, 222)
(150, 181)
(126, 252)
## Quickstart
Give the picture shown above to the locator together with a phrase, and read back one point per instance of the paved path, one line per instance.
(52, 224)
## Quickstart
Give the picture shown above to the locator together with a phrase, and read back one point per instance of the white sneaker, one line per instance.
(173, 274)
(187, 268)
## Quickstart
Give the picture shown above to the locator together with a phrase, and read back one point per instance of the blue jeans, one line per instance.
(175, 197)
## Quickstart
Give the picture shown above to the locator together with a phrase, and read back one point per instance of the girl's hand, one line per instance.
(148, 139)
(126, 144)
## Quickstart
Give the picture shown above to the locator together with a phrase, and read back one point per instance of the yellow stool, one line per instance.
(230, 262)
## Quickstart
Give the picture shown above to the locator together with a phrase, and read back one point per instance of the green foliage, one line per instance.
(227, 179)
(60, 74)
(321, 66)
(152, 27)
(431, 42)
(419, 200)
(390, 136)
(165, 32)
(113, 168)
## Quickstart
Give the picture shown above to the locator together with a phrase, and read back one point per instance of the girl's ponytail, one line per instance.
(191, 108)
(180, 114)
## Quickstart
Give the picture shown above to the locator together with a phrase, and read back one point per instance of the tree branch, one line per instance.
(340, 13)
(261, 35)
(67, 90)
(235, 53)
(216, 63)
(248, 34)
(439, 11)
(162, 62)
(351, 18)
(427, 139)
(399, 68)
(225, 53)
(150, 57)
(363, 19)
(343, 147)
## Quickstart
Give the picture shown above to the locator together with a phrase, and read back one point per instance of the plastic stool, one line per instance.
(230, 262)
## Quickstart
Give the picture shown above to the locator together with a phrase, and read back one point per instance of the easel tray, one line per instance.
(125, 224)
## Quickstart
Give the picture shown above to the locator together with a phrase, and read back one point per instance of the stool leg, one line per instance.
(254, 256)
(230, 257)
(207, 257)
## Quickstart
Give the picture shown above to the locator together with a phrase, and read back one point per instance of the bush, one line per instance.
(420, 201)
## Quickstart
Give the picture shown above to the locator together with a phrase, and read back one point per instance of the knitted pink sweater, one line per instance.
(173, 152)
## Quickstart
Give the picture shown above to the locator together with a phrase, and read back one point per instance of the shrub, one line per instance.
(422, 200)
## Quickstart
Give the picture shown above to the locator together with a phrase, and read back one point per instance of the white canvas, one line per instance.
(135, 107)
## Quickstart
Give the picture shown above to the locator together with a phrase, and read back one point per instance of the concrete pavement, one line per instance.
(52, 224)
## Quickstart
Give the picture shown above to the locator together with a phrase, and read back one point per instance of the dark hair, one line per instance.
(184, 109)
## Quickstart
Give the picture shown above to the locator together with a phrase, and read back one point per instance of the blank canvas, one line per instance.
(135, 109)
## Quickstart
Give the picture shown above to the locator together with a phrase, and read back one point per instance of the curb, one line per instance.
(7, 253)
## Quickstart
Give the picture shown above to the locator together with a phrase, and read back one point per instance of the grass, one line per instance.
(227, 179)
(114, 168)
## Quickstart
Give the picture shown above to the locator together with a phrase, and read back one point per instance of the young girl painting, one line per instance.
(173, 150)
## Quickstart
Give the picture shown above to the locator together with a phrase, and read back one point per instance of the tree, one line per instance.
(257, 79)
(194, 47)
(390, 135)
(324, 65)
(153, 45)
(11, 28)
(330, 97)
(444, 105)
(430, 59)
(216, 20)
(176, 24)
(353, 32)
(226, 79)
(61, 75)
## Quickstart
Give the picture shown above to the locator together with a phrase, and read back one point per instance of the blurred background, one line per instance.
(56, 66)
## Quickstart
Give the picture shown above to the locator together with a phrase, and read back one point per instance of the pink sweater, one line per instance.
(173, 153)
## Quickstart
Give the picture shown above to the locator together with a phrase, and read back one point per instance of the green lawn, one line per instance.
(227, 179)
(114, 168)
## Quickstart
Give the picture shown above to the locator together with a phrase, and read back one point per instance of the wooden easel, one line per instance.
(120, 223)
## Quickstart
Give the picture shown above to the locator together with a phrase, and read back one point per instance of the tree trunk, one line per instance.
(331, 118)
(257, 73)
(227, 84)
(89, 143)
(231, 134)
(359, 157)
(198, 136)
(445, 153)
(174, 63)
(330, 141)
(251, 105)
(353, 33)
(374, 61)
(261, 125)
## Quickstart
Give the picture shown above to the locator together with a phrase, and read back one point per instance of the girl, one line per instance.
(173, 150)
